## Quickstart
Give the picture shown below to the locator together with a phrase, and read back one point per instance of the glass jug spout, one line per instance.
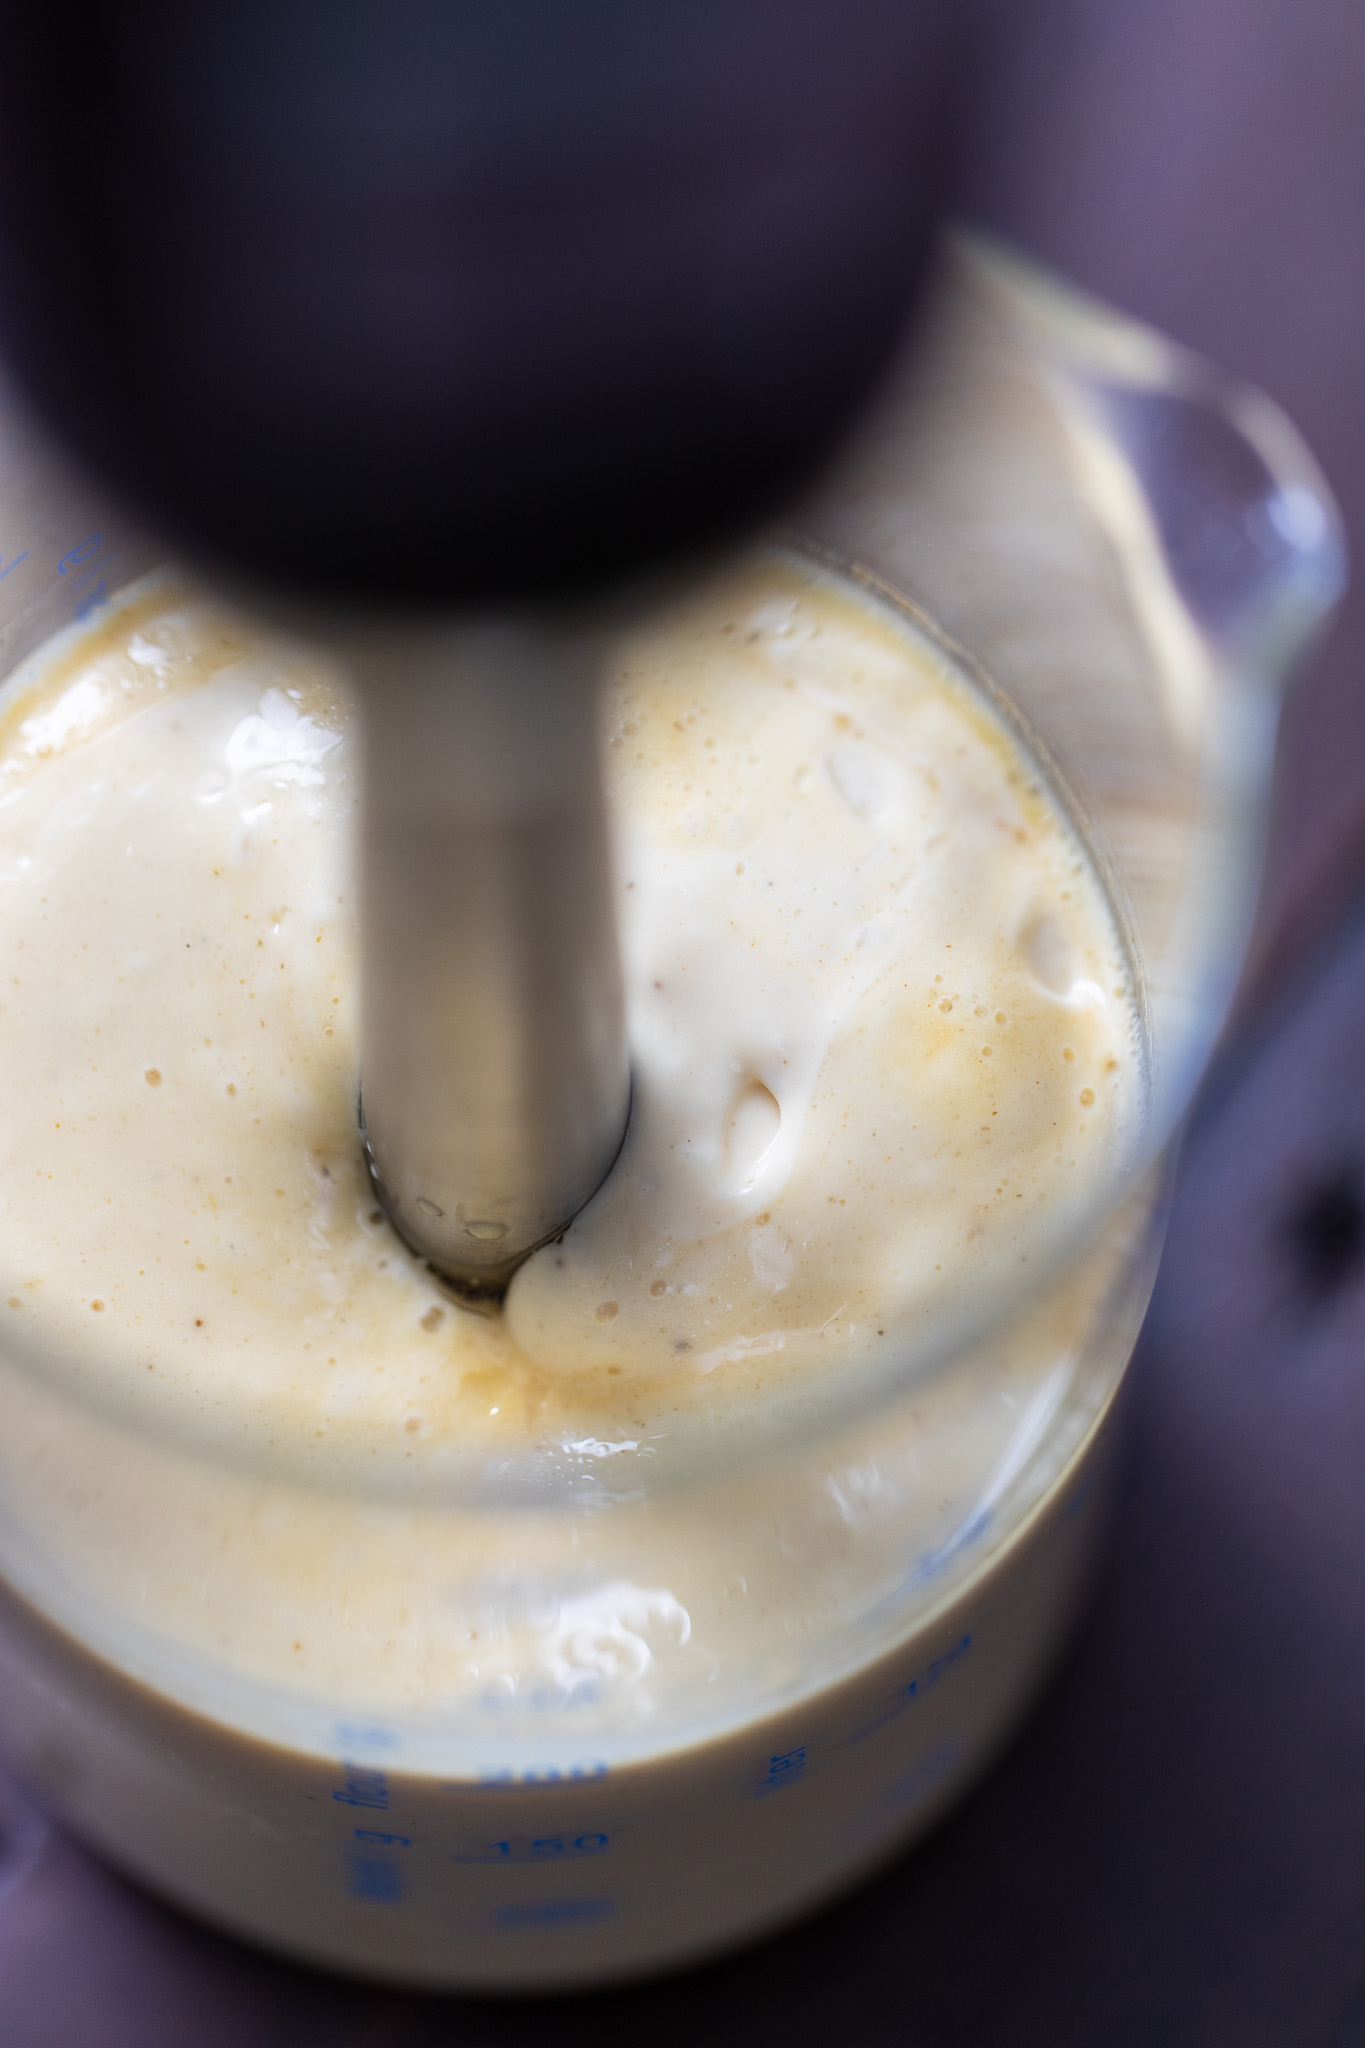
(1139, 550)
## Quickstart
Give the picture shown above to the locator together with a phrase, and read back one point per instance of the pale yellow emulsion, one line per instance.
(883, 1039)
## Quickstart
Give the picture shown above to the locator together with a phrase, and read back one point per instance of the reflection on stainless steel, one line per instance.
(494, 1074)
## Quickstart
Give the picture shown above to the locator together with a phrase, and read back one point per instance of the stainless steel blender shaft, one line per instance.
(494, 1078)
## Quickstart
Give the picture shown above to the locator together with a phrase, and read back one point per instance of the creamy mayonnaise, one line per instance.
(733, 1447)
(883, 1039)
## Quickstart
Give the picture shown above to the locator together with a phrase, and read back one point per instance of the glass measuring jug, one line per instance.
(1132, 554)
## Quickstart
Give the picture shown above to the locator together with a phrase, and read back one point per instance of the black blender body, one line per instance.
(421, 311)
(433, 305)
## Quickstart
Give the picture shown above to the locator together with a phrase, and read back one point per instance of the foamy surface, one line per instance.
(883, 1038)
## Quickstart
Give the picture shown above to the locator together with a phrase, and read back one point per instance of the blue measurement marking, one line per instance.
(363, 1787)
(364, 1735)
(82, 552)
(536, 1778)
(934, 1561)
(13, 564)
(553, 1912)
(378, 1880)
(905, 1696)
(374, 1857)
(536, 1849)
(79, 558)
(784, 1770)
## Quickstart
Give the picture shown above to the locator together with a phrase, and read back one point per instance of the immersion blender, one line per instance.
(440, 328)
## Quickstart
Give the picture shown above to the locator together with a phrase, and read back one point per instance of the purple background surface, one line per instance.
(1175, 1849)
